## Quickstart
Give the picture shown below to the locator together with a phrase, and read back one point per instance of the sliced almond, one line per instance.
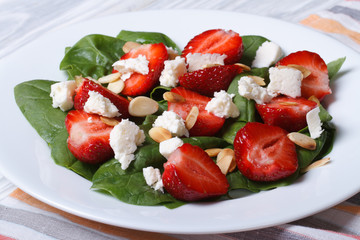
(316, 164)
(159, 134)
(258, 80)
(173, 97)
(314, 99)
(213, 152)
(109, 121)
(172, 55)
(191, 117)
(110, 78)
(226, 160)
(128, 46)
(302, 140)
(210, 65)
(142, 106)
(243, 66)
(305, 72)
(117, 86)
(79, 80)
(288, 103)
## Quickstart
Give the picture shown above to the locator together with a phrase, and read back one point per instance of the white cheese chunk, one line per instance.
(171, 51)
(62, 94)
(314, 123)
(173, 69)
(285, 81)
(222, 105)
(266, 55)
(197, 61)
(249, 89)
(172, 122)
(129, 66)
(124, 139)
(153, 178)
(167, 147)
(98, 104)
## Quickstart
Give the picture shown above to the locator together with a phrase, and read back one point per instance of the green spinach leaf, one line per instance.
(334, 67)
(251, 44)
(93, 56)
(33, 99)
(147, 37)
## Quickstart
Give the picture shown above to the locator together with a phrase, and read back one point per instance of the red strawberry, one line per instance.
(264, 152)
(217, 41)
(207, 124)
(191, 175)
(286, 112)
(317, 83)
(209, 80)
(139, 84)
(88, 137)
(82, 95)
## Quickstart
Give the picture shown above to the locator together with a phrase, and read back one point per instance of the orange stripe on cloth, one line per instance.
(330, 26)
(355, 210)
(108, 229)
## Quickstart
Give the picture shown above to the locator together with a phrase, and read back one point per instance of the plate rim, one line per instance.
(57, 205)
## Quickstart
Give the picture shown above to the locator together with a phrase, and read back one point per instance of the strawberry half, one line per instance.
(264, 152)
(317, 83)
(139, 84)
(82, 95)
(191, 175)
(286, 112)
(207, 124)
(209, 80)
(88, 137)
(217, 41)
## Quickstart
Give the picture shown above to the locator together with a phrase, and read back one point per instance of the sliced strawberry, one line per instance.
(88, 137)
(317, 83)
(286, 112)
(264, 152)
(82, 95)
(207, 124)
(217, 41)
(139, 84)
(209, 80)
(191, 175)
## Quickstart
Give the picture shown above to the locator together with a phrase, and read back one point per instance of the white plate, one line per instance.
(25, 158)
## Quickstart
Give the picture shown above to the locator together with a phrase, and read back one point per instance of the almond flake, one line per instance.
(316, 164)
(288, 103)
(142, 106)
(226, 160)
(302, 140)
(79, 80)
(210, 65)
(110, 78)
(191, 117)
(305, 72)
(173, 97)
(258, 80)
(159, 134)
(128, 46)
(213, 152)
(314, 99)
(116, 87)
(243, 66)
(109, 121)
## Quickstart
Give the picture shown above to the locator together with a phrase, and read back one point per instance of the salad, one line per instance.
(153, 124)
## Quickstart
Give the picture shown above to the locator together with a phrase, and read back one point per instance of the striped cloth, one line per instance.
(24, 217)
